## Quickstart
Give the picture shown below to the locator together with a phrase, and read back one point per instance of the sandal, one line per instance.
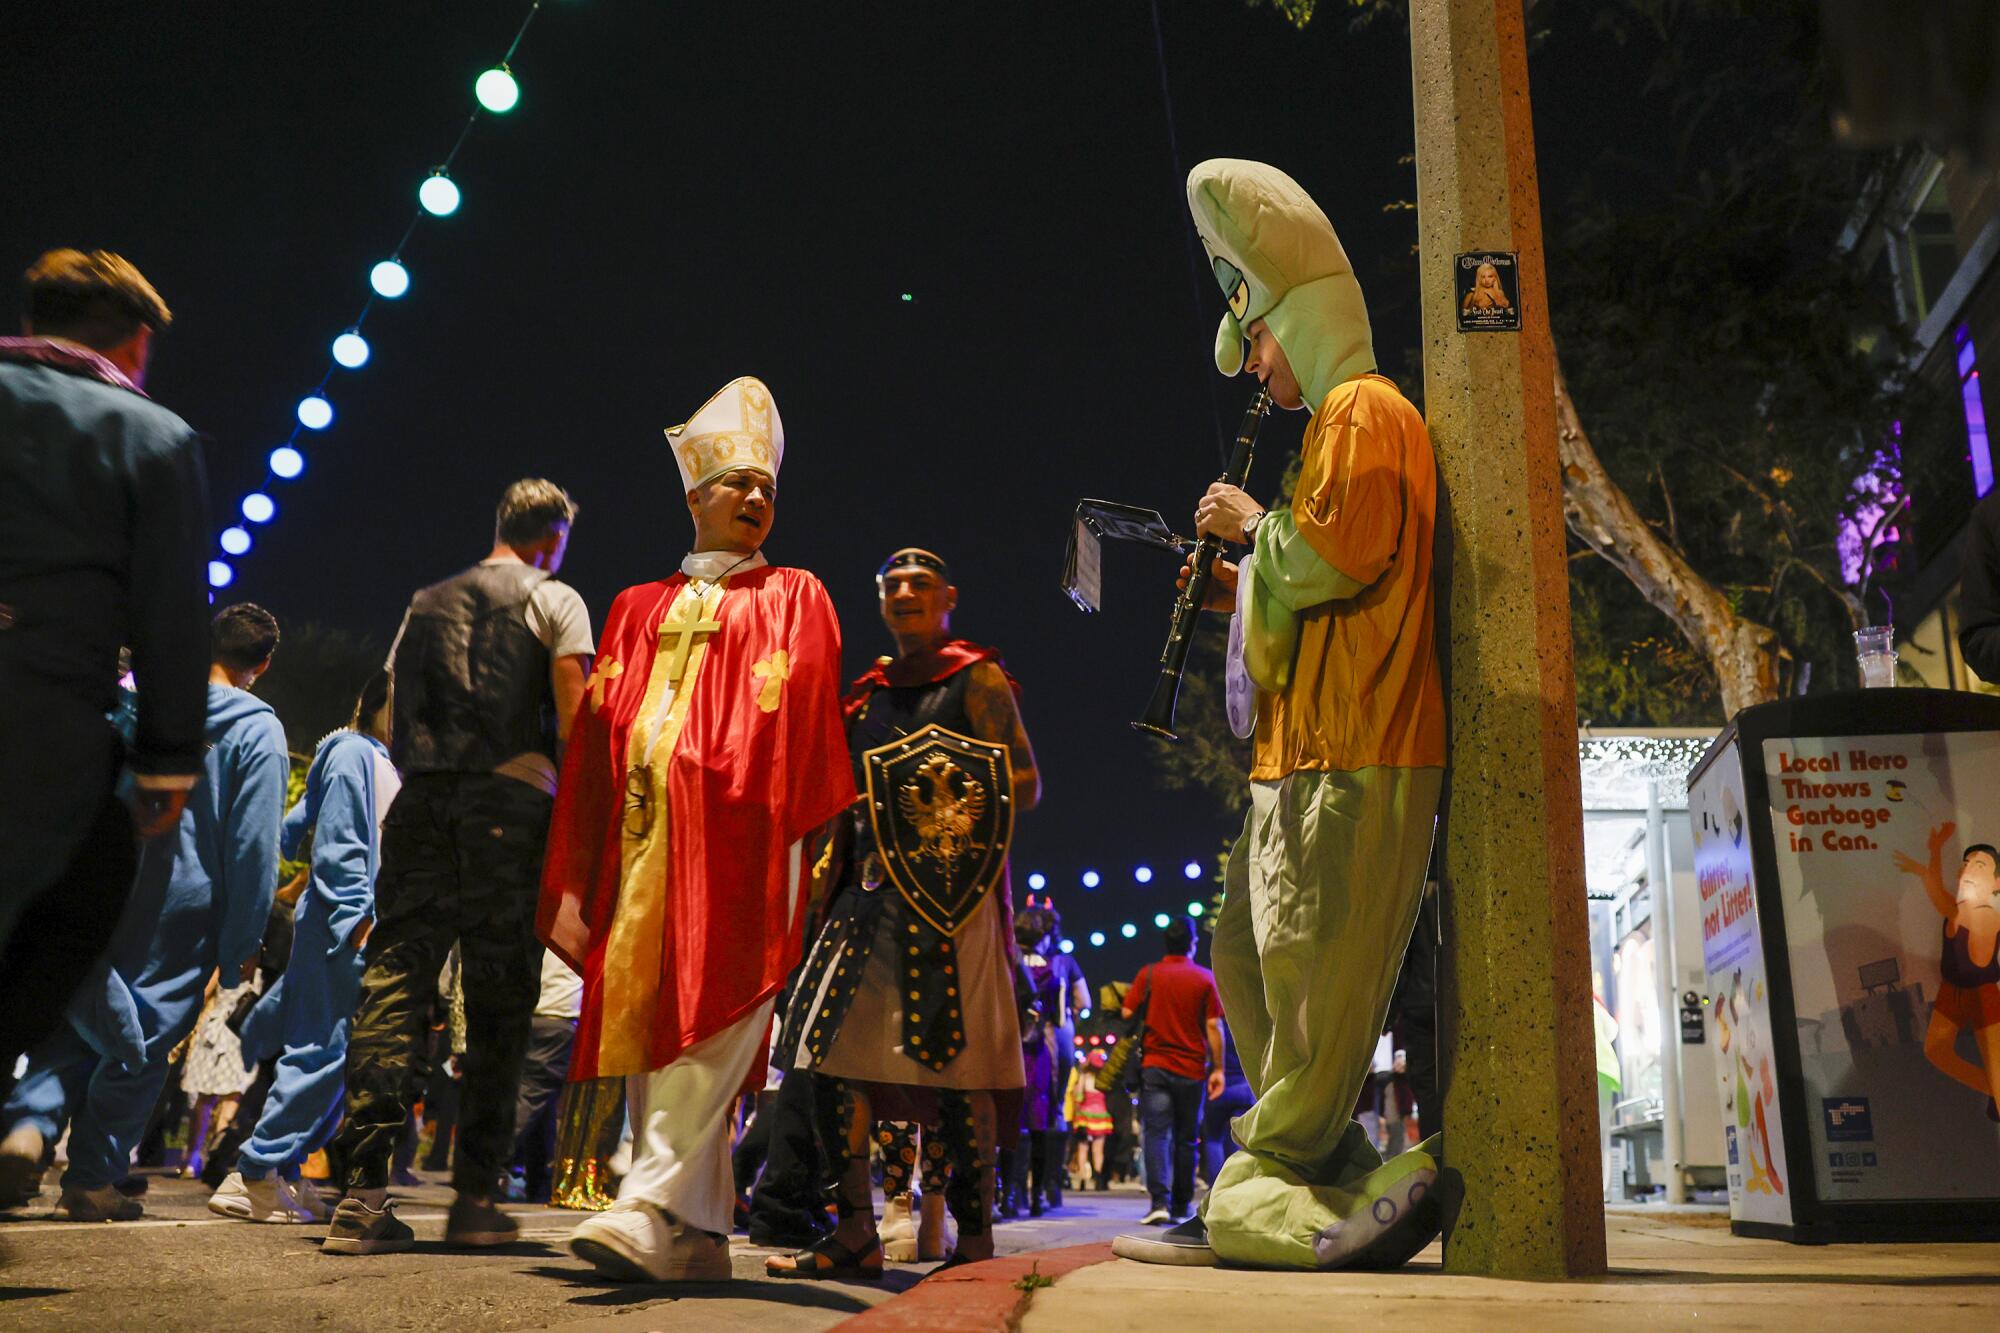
(830, 1259)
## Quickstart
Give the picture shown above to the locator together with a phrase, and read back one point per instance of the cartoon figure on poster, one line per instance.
(1968, 995)
(1750, 1092)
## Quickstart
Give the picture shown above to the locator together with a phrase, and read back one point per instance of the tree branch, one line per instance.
(1743, 653)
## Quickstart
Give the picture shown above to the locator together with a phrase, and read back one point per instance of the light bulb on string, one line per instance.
(1144, 874)
(389, 279)
(235, 541)
(315, 413)
(350, 349)
(1192, 870)
(497, 90)
(1128, 930)
(1038, 881)
(259, 507)
(1090, 879)
(438, 194)
(1195, 909)
(1097, 939)
(220, 575)
(287, 462)
(1160, 919)
(1067, 946)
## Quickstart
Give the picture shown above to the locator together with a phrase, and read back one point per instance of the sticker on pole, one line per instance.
(1489, 292)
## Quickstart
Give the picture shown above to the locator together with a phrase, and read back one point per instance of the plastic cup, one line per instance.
(1875, 652)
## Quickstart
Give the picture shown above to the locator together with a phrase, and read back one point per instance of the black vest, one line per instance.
(472, 680)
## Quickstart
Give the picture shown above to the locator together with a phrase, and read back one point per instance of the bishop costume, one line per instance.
(708, 745)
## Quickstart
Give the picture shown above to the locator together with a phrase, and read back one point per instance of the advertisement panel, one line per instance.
(1732, 948)
(1885, 869)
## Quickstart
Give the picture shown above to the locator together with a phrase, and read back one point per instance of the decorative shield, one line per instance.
(942, 806)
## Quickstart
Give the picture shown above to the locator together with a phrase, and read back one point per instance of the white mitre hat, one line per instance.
(738, 427)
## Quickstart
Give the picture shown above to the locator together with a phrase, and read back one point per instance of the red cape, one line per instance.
(947, 659)
(743, 785)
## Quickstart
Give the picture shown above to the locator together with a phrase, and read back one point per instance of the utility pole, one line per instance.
(1517, 1044)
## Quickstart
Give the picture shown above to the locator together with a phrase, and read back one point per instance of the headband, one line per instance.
(915, 555)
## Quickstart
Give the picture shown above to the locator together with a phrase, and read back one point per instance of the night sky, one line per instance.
(691, 192)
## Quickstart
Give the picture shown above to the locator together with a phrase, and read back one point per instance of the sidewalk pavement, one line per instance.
(1668, 1270)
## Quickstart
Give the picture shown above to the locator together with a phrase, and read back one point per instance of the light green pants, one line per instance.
(1319, 900)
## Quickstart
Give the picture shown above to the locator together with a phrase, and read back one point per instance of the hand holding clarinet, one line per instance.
(1223, 511)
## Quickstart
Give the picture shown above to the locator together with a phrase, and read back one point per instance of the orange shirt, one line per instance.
(1365, 688)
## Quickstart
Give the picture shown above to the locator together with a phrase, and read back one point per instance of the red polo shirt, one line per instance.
(1183, 999)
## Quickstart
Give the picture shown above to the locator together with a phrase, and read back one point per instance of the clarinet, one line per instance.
(1159, 718)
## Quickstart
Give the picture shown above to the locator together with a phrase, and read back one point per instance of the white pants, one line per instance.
(680, 1126)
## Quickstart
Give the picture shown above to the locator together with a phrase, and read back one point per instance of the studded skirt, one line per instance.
(868, 1048)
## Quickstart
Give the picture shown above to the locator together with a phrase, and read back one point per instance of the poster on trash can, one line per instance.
(1733, 949)
(1886, 870)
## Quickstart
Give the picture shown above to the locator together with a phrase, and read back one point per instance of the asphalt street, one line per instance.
(184, 1268)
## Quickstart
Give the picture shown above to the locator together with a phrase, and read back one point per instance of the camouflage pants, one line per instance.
(461, 864)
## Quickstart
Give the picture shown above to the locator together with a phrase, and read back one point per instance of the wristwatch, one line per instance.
(1250, 527)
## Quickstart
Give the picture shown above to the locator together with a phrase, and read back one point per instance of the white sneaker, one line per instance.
(265, 1200)
(636, 1242)
(103, 1204)
(305, 1196)
(1156, 1218)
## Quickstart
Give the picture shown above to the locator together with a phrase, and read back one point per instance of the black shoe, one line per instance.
(132, 1187)
(1185, 1245)
(779, 1238)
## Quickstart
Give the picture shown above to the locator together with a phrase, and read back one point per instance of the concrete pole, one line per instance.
(1673, 1124)
(1517, 1043)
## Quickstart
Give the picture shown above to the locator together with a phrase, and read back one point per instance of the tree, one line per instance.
(314, 680)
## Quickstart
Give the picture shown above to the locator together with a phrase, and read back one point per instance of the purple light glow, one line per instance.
(1978, 449)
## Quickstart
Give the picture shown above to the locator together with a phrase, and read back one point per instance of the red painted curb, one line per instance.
(978, 1298)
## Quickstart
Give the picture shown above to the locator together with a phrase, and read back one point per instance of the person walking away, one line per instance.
(199, 905)
(708, 749)
(486, 673)
(543, 1074)
(1180, 1062)
(349, 789)
(103, 535)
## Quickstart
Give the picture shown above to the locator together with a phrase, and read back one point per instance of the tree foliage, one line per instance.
(314, 680)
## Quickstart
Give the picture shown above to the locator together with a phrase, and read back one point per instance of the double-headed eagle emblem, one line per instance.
(941, 806)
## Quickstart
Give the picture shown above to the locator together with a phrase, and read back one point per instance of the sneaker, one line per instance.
(358, 1229)
(476, 1222)
(636, 1242)
(1185, 1245)
(21, 1165)
(1155, 1218)
(305, 1196)
(265, 1200)
(103, 1204)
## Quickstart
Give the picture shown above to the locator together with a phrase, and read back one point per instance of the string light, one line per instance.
(1195, 909)
(438, 194)
(1097, 939)
(495, 91)
(1144, 874)
(350, 350)
(1192, 870)
(1160, 919)
(1038, 881)
(1128, 930)
(1067, 946)
(389, 279)
(1090, 879)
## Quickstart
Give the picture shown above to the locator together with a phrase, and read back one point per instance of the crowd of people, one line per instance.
(585, 896)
